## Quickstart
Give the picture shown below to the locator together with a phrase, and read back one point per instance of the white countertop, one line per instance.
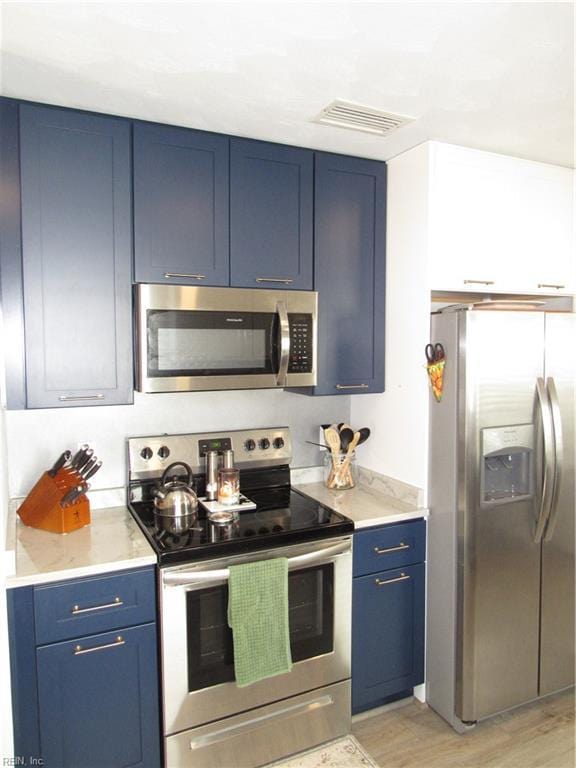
(365, 506)
(112, 542)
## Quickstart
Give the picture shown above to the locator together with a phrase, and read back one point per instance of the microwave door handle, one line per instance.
(189, 578)
(559, 456)
(284, 340)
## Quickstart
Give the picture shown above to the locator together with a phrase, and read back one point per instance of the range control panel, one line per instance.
(148, 457)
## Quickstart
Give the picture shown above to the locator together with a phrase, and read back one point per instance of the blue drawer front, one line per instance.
(391, 546)
(76, 608)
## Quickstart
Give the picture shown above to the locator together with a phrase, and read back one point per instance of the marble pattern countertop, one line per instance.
(376, 499)
(112, 542)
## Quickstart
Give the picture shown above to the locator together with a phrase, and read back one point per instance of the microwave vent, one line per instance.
(357, 117)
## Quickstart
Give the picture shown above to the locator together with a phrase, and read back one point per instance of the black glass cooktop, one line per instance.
(282, 516)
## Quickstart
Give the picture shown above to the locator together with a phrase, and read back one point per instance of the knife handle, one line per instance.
(72, 494)
(89, 464)
(79, 455)
(92, 471)
(59, 463)
(84, 460)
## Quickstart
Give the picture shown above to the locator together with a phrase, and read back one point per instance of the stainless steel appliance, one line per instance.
(501, 530)
(224, 338)
(209, 721)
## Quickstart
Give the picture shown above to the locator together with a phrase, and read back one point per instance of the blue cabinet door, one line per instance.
(349, 268)
(181, 206)
(77, 257)
(387, 634)
(270, 215)
(98, 701)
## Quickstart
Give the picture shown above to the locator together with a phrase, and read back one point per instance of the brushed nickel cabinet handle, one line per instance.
(391, 549)
(184, 274)
(79, 651)
(478, 282)
(382, 582)
(285, 280)
(352, 386)
(116, 604)
(551, 285)
(81, 397)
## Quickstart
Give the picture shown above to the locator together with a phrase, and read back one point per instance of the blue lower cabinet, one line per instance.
(388, 609)
(98, 701)
(90, 700)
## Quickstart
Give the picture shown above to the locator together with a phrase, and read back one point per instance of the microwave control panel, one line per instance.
(300, 343)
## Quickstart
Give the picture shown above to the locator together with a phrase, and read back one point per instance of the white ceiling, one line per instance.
(497, 76)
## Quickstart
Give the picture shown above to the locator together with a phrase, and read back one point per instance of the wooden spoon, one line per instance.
(346, 437)
(344, 469)
(333, 441)
(364, 435)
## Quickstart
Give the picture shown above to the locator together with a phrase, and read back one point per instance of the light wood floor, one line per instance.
(537, 735)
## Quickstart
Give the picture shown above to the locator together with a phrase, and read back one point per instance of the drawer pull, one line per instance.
(78, 650)
(285, 280)
(116, 604)
(478, 282)
(382, 582)
(551, 285)
(64, 398)
(352, 386)
(184, 274)
(386, 551)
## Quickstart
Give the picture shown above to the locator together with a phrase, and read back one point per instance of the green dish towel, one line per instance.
(258, 617)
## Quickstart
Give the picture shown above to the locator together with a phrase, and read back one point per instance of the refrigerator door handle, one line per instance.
(549, 460)
(558, 458)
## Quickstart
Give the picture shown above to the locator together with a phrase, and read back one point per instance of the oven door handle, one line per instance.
(189, 578)
(284, 339)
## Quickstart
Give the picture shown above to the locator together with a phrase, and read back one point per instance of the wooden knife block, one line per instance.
(42, 509)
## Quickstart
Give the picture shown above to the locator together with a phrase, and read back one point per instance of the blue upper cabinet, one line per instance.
(349, 270)
(271, 215)
(181, 206)
(76, 257)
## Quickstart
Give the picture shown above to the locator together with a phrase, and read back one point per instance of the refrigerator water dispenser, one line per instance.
(507, 465)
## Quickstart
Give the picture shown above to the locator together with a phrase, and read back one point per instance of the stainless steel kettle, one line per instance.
(175, 503)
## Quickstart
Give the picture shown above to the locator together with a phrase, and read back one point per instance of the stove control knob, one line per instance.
(146, 453)
(249, 445)
(264, 443)
(163, 451)
(278, 442)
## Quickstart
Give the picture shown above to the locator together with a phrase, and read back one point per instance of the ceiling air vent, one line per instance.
(346, 114)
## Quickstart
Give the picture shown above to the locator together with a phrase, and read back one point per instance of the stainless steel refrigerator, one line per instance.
(501, 530)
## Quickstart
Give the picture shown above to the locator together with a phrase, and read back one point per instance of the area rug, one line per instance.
(342, 753)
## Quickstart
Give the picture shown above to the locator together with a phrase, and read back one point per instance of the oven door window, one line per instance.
(210, 647)
(200, 343)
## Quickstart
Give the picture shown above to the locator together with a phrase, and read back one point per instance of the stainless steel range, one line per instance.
(209, 721)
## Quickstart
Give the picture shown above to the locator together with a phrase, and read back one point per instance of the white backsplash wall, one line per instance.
(398, 446)
(35, 438)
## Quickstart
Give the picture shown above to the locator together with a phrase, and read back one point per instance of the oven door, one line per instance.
(197, 651)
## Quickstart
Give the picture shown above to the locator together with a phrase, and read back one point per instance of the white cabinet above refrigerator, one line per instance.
(497, 224)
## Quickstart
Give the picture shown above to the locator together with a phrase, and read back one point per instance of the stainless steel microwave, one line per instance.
(191, 339)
